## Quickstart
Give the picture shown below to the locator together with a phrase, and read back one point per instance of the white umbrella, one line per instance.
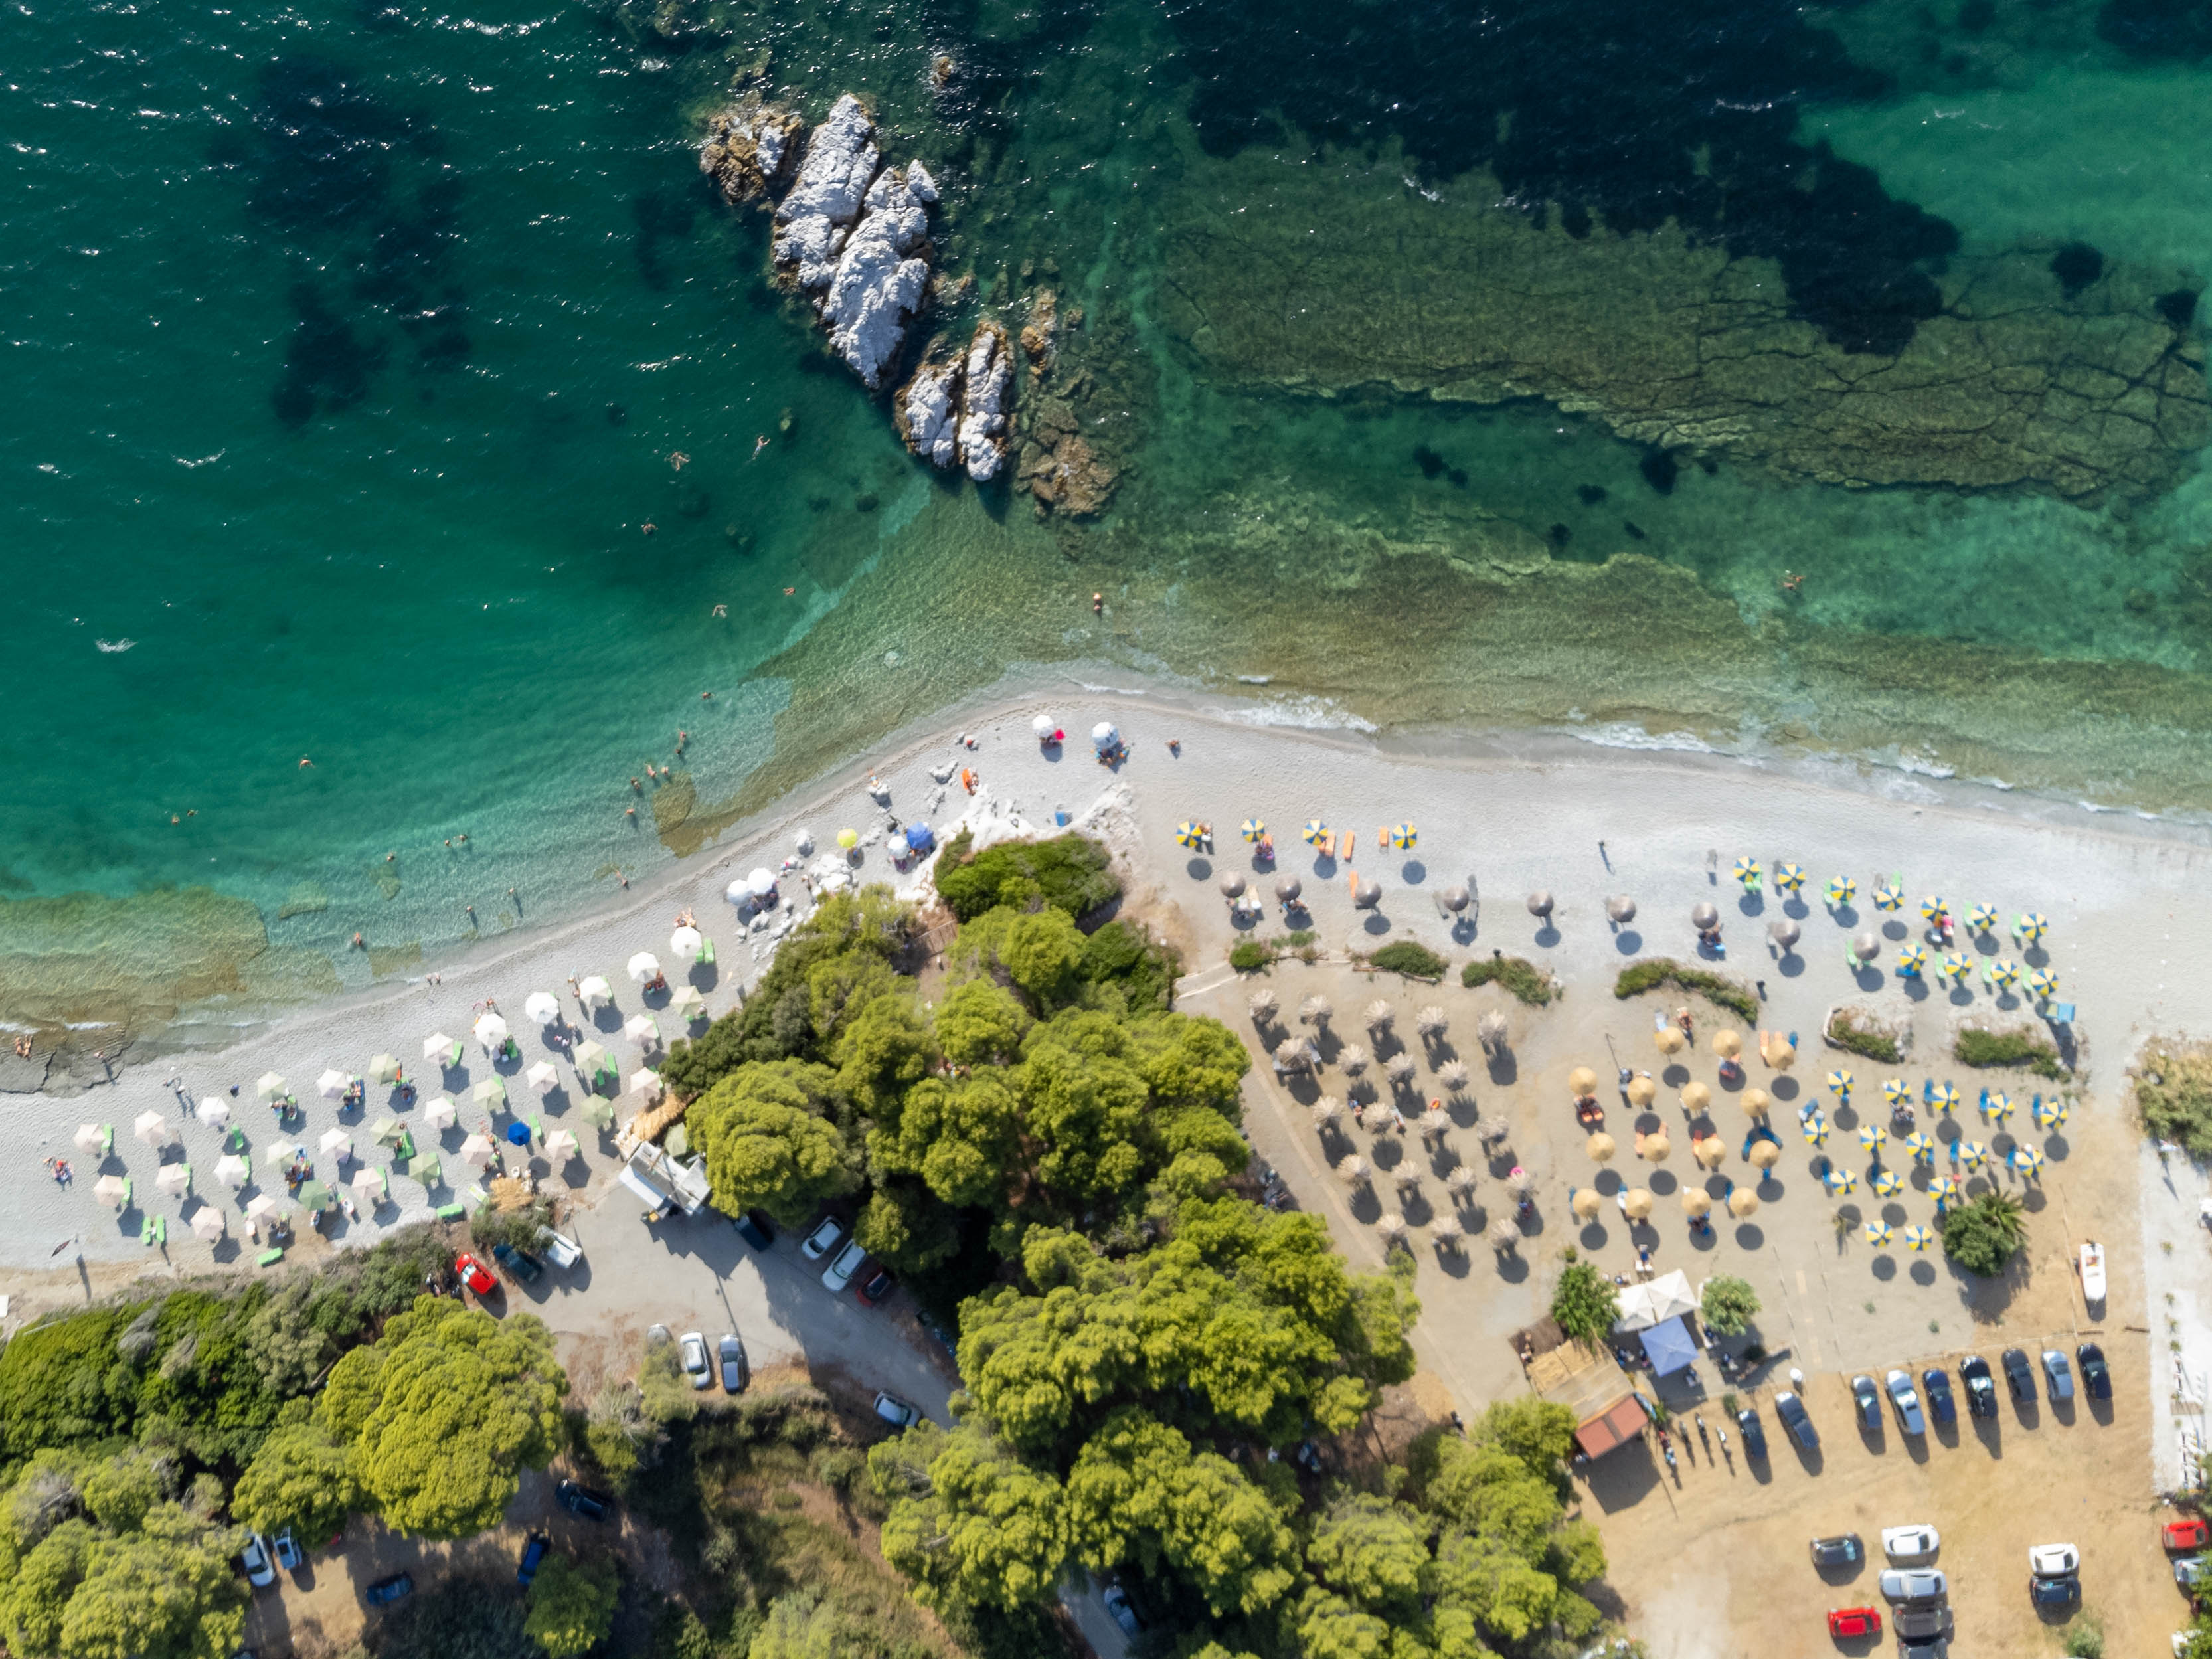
(281, 1153)
(215, 1113)
(208, 1223)
(1104, 734)
(332, 1083)
(152, 1128)
(761, 883)
(643, 968)
(639, 1027)
(232, 1170)
(1043, 726)
(689, 1001)
(337, 1143)
(369, 1181)
(491, 1031)
(646, 1082)
(439, 1113)
(560, 1147)
(542, 1078)
(111, 1189)
(476, 1151)
(684, 944)
(93, 1140)
(175, 1179)
(261, 1206)
(595, 993)
(439, 1047)
(268, 1085)
(541, 1008)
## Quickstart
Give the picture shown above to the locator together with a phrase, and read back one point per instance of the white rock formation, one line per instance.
(812, 221)
(876, 287)
(929, 413)
(988, 378)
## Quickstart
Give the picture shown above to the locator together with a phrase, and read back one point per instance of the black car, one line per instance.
(1981, 1387)
(581, 1500)
(524, 1267)
(384, 1591)
(533, 1551)
(756, 1229)
(1937, 1388)
(1841, 1550)
(1868, 1398)
(1791, 1411)
(2053, 1589)
(1754, 1436)
(2095, 1377)
(2019, 1375)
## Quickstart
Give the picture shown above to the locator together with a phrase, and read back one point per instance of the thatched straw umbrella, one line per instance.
(1709, 1150)
(1377, 1119)
(1492, 1132)
(1521, 1183)
(1460, 1182)
(1642, 1091)
(1540, 904)
(1263, 1004)
(1785, 933)
(1365, 895)
(1314, 1011)
(1653, 1148)
(1503, 1235)
(1232, 885)
(1586, 1203)
(1765, 1154)
(1448, 1232)
(1695, 1203)
(1696, 1096)
(1754, 1102)
(1326, 1112)
(1637, 1202)
(1582, 1081)
(1399, 1070)
(1453, 899)
(1392, 1229)
(1726, 1044)
(1490, 1031)
(1620, 909)
(1435, 1122)
(1352, 1059)
(1600, 1147)
(1705, 915)
(1407, 1177)
(1432, 1024)
(1453, 1074)
(1378, 1015)
(1743, 1202)
(1669, 1039)
(1352, 1170)
(1288, 889)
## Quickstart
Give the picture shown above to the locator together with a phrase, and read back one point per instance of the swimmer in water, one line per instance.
(1097, 605)
(648, 526)
(759, 444)
(706, 697)
(677, 457)
(788, 592)
(305, 762)
(720, 610)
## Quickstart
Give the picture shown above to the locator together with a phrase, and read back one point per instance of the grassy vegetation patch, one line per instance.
(1719, 989)
(1412, 960)
(1069, 872)
(1986, 1049)
(1523, 978)
(1848, 1031)
(1249, 956)
(2174, 1094)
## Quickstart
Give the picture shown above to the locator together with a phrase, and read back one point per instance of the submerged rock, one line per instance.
(987, 384)
(1059, 465)
(749, 148)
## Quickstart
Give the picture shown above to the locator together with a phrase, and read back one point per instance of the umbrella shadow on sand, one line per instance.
(1199, 869)
(1413, 872)
(1752, 903)
(1628, 941)
(1376, 924)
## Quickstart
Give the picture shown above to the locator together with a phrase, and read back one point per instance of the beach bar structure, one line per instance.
(661, 1182)
(1589, 1381)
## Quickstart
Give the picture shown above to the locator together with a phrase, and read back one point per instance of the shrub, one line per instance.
(1730, 1304)
(1584, 1305)
(1412, 960)
(1069, 872)
(1719, 989)
(571, 1606)
(2174, 1094)
(1847, 1034)
(2086, 1640)
(1975, 1047)
(1983, 1236)
(1523, 978)
(1249, 956)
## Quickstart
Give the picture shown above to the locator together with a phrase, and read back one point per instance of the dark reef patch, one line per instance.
(2076, 266)
(2179, 308)
(2154, 30)
(1660, 471)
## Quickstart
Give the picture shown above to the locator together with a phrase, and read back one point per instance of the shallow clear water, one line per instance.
(350, 347)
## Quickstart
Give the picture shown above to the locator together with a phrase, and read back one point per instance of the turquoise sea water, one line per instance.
(351, 347)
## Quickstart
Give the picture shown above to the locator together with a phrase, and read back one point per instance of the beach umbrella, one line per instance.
(1944, 1094)
(1695, 1203)
(2049, 1114)
(1637, 1203)
(445, 1051)
(1747, 871)
(112, 1189)
(1620, 909)
(175, 1179)
(370, 1183)
(2030, 927)
(848, 839)
(541, 1008)
(1703, 915)
(152, 1128)
(1642, 1091)
(1754, 1102)
(491, 1031)
(313, 1196)
(594, 992)
(1315, 833)
(648, 1084)
(388, 1132)
(1405, 837)
(1252, 828)
(1919, 1238)
(1669, 1039)
(1189, 835)
(759, 883)
(1540, 902)
(1877, 1233)
(207, 1222)
(2002, 970)
(1709, 1150)
(1696, 1096)
(1044, 726)
(427, 1171)
(543, 1077)
(337, 1143)
(1653, 1148)
(490, 1094)
(2041, 982)
(1585, 1203)
(640, 1029)
(1895, 1091)
(1839, 1180)
(1742, 1203)
(477, 1150)
(1922, 1145)
(1288, 889)
(2027, 1159)
(232, 1170)
(439, 1113)
(1981, 918)
(1766, 1153)
(213, 1112)
(1842, 891)
(1867, 946)
(1934, 907)
(689, 1001)
(1365, 895)
(332, 1083)
(1788, 877)
(261, 1208)
(1886, 1183)
(286, 1151)
(595, 1063)
(1778, 1050)
(1839, 1083)
(1911, 961)
(560, 1147)
(1996, 1107)
(1785, 933)
(599, 1112)
(1957, 964)
(685, 943)
(644, 968)
(95, 1139)
(1888, 898)
(383, 1069)
(1582, 1081)
(1726, 1044)
(268, 1086)
(1454, 898)
(1816, 1130)
(1600, 1147)
(1944, 1188)
(1872, 1137)
(1971, 1153)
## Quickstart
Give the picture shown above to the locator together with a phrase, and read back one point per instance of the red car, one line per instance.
(2190, 1535)
(473, 1274)
(1853, 1621)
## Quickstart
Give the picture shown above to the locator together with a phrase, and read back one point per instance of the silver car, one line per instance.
(839, 1273)
(732, 1354)
(693, 1352)
(1914, 1585)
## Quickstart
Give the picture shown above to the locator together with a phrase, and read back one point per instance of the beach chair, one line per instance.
(269, 1257)
(707, 952)
(452, 1212)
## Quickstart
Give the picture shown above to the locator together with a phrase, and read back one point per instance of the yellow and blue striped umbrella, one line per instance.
(1872, 1137)
(1996, 1107)
(1887, 1183)
(1877, 1232)
(1911, 961)
(1944, 1094)
(1816, 1130)
(1945, 1188)
(1893, 1091)
(1971, 1153)
(1747, 871)
(2041, 982)
(1839, 1083)
(1981, 918)
(1922, 1145)
(1840, 1180)
(2027, 1159)
(1888, 898)
(1918, 1237)
(1404, 836)
(1189, 834)
(2049, 1114)
(2030, 925)
(1253, 830)
(1935, 908)
(1957, 964)
(1789, 876)
(1842, 891)
(1316, 832)
(2002, 970)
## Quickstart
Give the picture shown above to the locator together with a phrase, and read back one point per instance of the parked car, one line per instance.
(563, 1253)
(1981, 1388)
(691, 1351)
(730, 1355)
(2189, 1534)
(384, 1591)
(2053, 1575)
(2058, 1374)
(1937, 1388)
(2189, 1572)
(875, 1286)
(839, 1273)
(474, 1274)
(1117, 1604)
(1791, 1411)
(533, 1553)
(895, 1410)
(2095, 1377)
(582, 1501)
(254, 1557)
(1840, 1550)
(2019, 1377)
(1914, 1585)
(1754, 1436)
(523, 1266)
(823, 1240)
(1909, 1543)
(1867, 1400)
(1846, 1622)
(2053, 1560)
(756, 1229)
(1904, 1402)
(286, 1549)
(1935, 1650)
(1921, 1624)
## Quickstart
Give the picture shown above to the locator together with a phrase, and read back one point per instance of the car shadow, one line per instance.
(1989, 1430)
(2102, 1410)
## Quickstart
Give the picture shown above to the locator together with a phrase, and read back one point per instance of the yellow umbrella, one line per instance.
(1668, 1039)
(848, 839)
(1586, 1203)
(1697, 1097)
(1637, 1202)
(1695, 1202)
(1642, 1091)
(1766, 1153)
(1600, 1147)
(1754, 1102)
(1877, 1232)
(1726, 1044)
(1653, 1148)
(1743, 1202)
(1709, 1151)
(1189, 834)
(1582, 1080)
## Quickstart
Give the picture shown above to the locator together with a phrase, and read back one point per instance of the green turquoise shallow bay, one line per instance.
(386, 386)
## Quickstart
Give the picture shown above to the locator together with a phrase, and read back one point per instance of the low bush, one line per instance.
(1069, 872)
(1523, 978)
(2007, 1049)
(1845, 1031)
(1732, 994)
(1249, 956)
(1983, 1236)
(2174, 1094)
(1412, 960)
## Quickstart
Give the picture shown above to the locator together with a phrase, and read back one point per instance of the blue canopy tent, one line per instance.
(1668, 1347)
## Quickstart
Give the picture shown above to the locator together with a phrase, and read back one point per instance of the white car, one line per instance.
(823, 1240)
(255, 1560)
(694, 1351)
(839, 1273)
(1908, 1543)
(1914, 1585)
(561, 1252)
(2053, 1560)
(897, 1412)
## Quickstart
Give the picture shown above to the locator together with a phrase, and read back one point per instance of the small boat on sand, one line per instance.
(2093, 1273)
